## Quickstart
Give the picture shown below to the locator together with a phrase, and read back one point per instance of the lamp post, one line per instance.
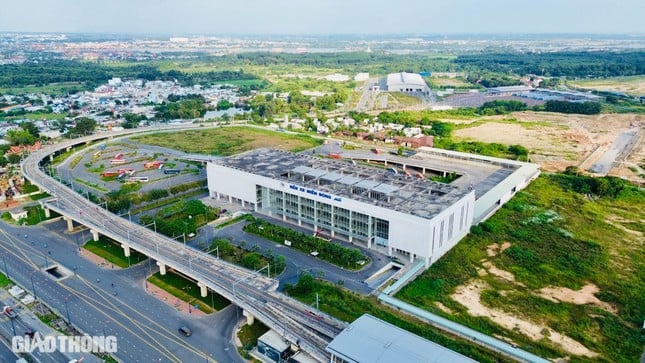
(69, 321)
(4, 261)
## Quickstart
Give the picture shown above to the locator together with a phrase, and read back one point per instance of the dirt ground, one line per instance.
(556, 141)
(469, 296)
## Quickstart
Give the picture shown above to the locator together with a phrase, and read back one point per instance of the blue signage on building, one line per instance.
(314, 192)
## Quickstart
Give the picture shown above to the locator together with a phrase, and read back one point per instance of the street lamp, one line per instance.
(69, 321)
(4, 261)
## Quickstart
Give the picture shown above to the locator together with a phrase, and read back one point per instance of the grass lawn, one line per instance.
(228, 140)
(404, 99)
(58, 88)
(188, 291)
(4, 281)
(113, 252)
(634, 85)
(555, 238)
(348, 306)
(249, 334)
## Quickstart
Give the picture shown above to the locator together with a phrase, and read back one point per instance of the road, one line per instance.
(298, 262)
(621, 146)
(132, 315)
(252, 292)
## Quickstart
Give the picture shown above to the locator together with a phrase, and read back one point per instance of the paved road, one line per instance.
(145, 327)
(247, 289)
(6, 355)
(298, 262)
(622, 145)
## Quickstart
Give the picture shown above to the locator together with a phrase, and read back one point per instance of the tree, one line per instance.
(84, 126)
(441, 129)
(224, 105)
(14, 158)
(20, 137)
(31, 127)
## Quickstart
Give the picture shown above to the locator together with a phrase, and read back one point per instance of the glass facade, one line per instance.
(324, 215)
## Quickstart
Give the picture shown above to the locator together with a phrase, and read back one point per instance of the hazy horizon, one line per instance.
(324, 17)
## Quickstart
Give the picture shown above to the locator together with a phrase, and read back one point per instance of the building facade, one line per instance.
(384, 210)
(411, 83)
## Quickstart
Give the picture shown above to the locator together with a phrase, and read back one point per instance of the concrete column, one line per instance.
(162, 267)
(230, 200)
(444, 174)
(217, 195)
(126, 250)
(427, 261)
(70, 223)
(95, 235)
(284, 217)
(255, 207)
(242, 204)
(249, 318)
(47, 212)
(68, 148)
(332, 233)
(203, 289)
(51, 157)
(299, 222)
(385, 162)
(411, 257)
(369, 243)
(389, 251)
(351, 239)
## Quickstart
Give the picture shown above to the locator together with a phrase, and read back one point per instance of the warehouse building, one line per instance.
(385, 210)
(410, 83)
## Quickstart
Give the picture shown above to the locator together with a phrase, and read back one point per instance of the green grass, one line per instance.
(57, 89)
(188, 291)
(168, 201)
(558, 238)
(228, 140)
(4, 281)
(349, 306)
(91, 185)
(39, 196)
(113, 252)
(233, 221)
(334, 253)
(249, 334)
(405, 99)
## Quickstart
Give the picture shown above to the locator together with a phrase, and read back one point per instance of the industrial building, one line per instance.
(369, 339)
(410, 83)
(387, 210)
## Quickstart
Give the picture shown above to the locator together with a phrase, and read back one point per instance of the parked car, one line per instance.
(185, 331)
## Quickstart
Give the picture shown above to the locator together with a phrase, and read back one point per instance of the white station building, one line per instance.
(411, 83)
(386, 210)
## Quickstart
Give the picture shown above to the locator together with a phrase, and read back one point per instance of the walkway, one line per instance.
(460, 330)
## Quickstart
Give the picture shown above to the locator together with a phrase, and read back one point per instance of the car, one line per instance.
(185, 331)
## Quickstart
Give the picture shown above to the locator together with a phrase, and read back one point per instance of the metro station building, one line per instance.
(383, 208)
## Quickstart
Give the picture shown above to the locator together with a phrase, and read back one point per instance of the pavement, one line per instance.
(145, 327)
(299, 262)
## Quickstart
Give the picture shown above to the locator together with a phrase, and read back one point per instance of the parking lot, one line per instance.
(108, 166)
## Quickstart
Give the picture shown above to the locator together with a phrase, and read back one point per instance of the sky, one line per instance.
(212, 17)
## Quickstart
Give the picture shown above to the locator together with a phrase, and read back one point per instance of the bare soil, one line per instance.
(580, 297)
(469, 296)
(556, 141)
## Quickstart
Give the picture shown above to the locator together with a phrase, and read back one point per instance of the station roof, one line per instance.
(369, 339)
(376, 186)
